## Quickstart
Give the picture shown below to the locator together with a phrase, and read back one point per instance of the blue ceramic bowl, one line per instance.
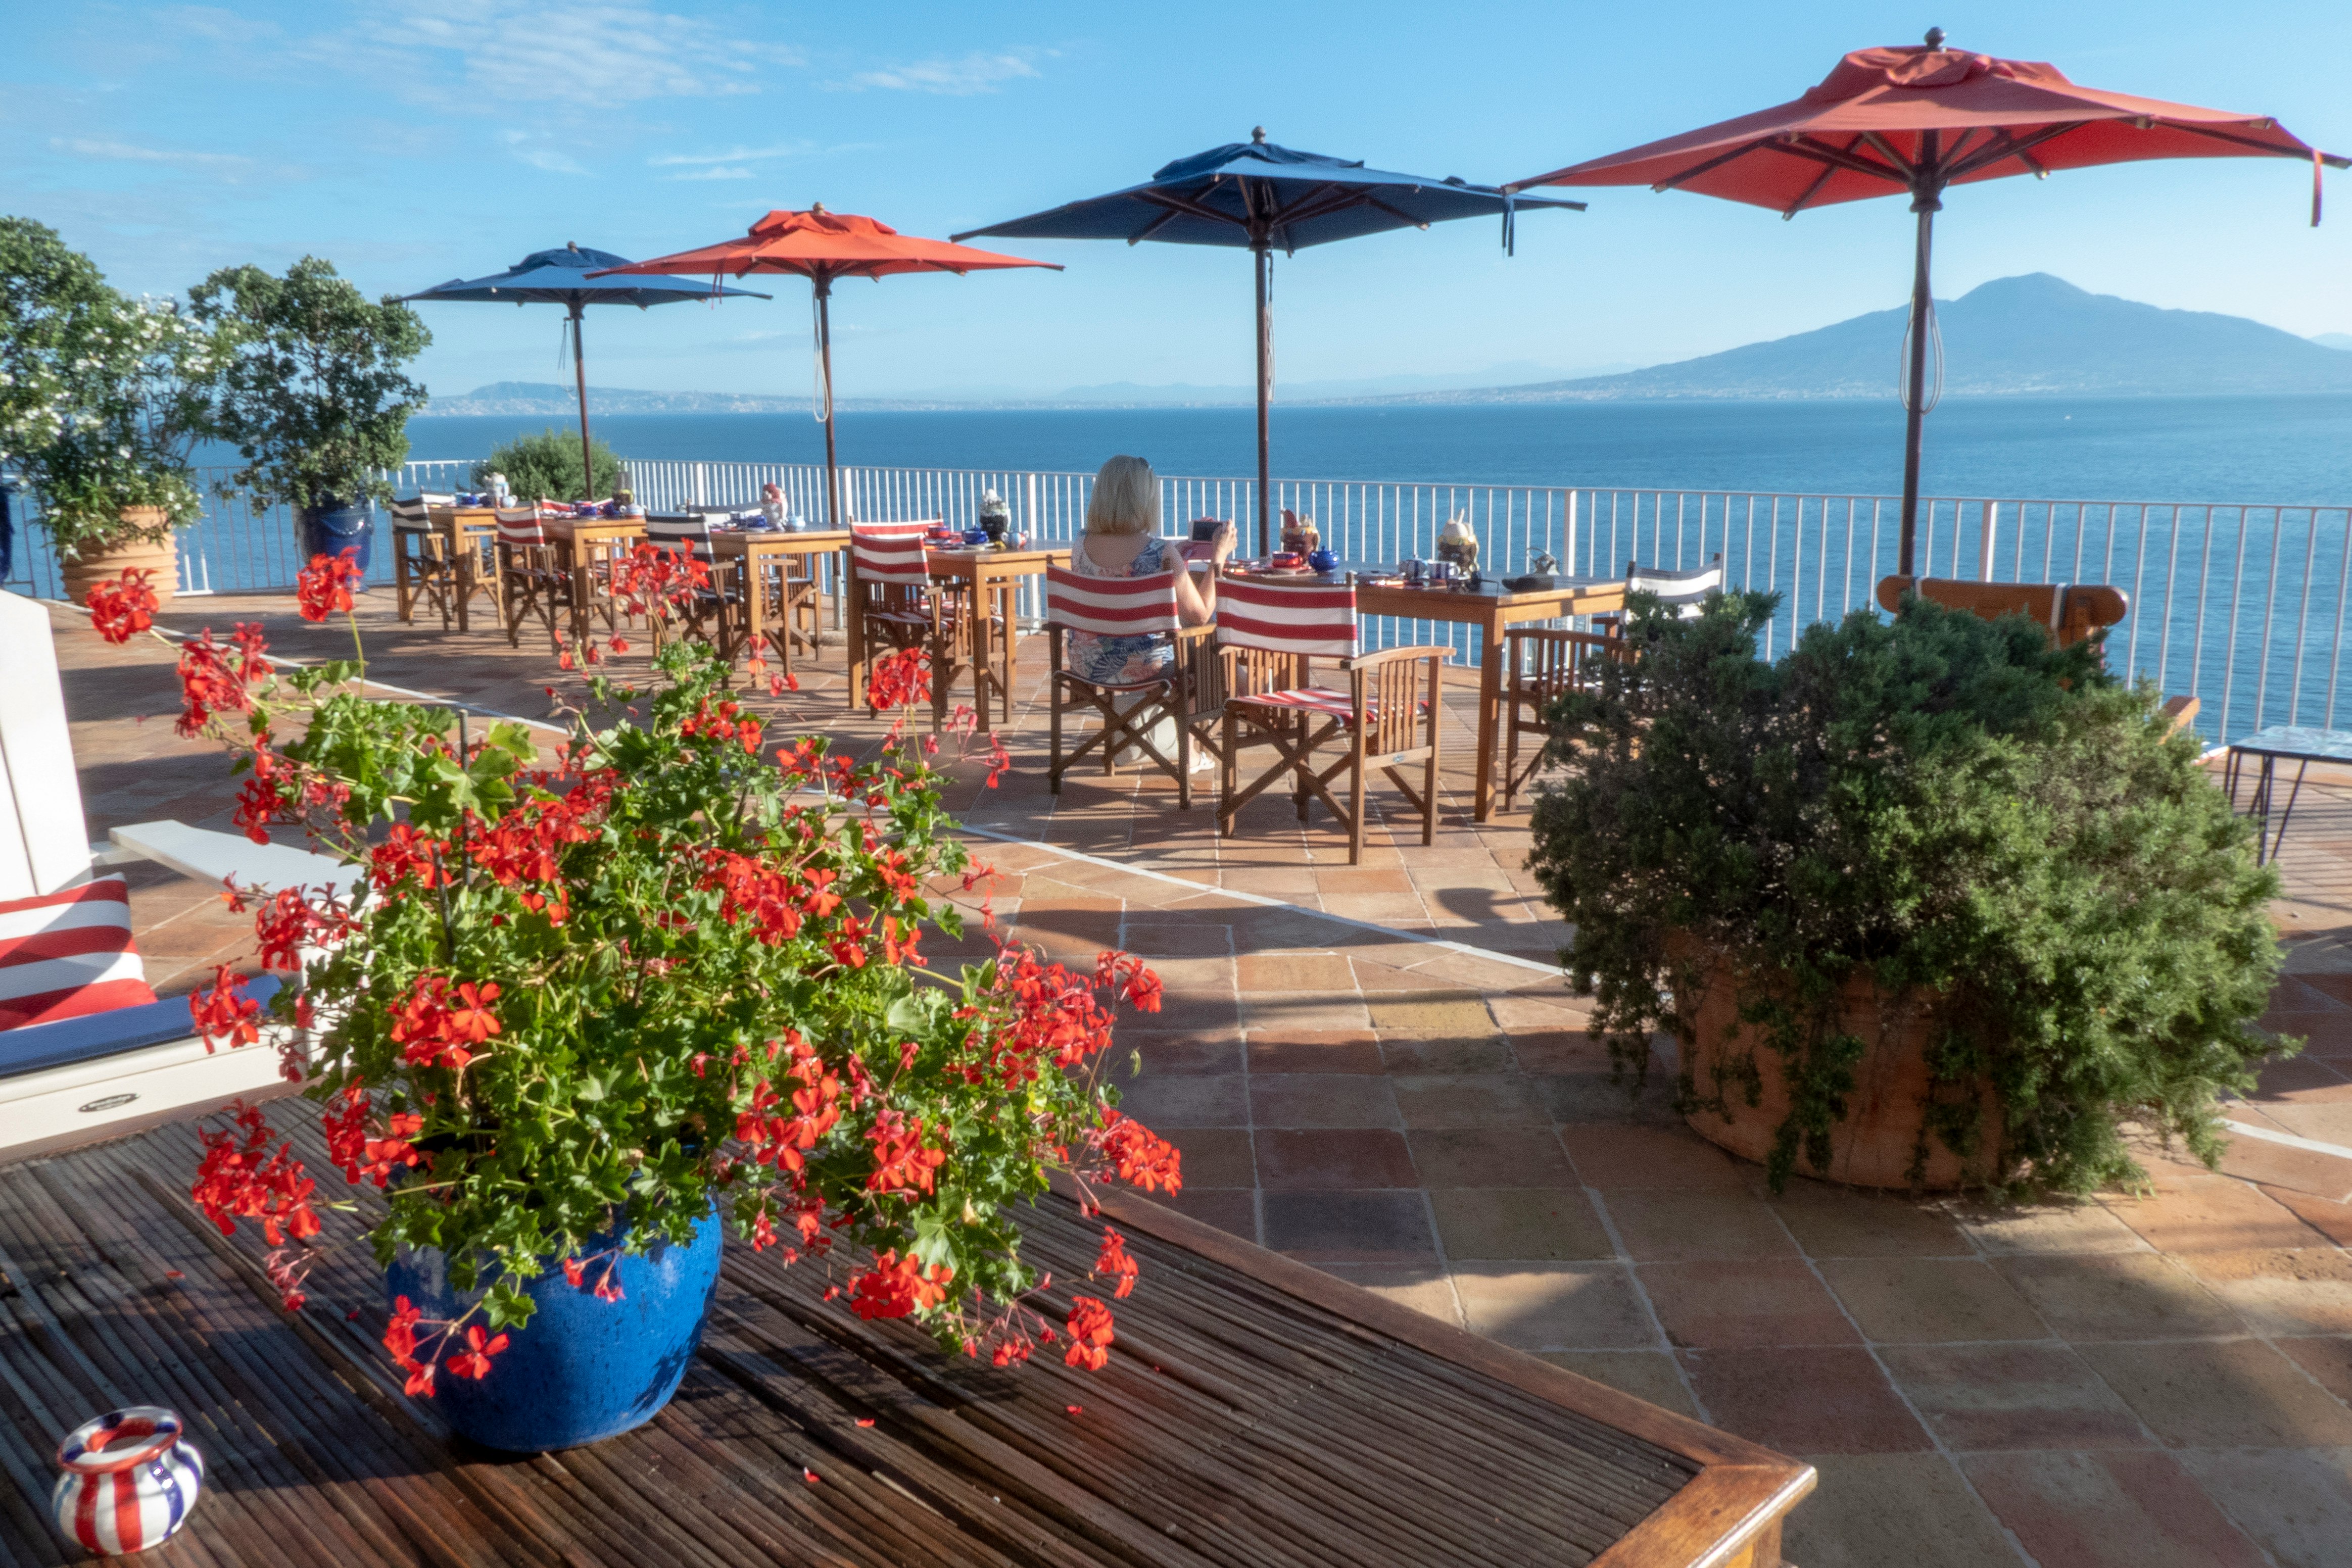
(582, 1369)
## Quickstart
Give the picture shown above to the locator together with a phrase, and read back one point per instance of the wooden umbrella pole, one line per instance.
(1926, 198)
(580, 379)
(1265, 261)
(823, 287)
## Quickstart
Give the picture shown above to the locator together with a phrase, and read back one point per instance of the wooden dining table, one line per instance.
(585, 544)
(755, 549)
(466, 534)
(1493, 610)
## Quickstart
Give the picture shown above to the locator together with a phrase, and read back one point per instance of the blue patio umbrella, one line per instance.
(1265, 197)
(560, 277)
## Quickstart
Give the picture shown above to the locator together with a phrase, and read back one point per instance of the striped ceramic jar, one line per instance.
(129, 1481)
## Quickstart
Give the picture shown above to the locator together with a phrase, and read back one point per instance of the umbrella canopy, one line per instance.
(822, 246)
(563, 277)
(1267, 197)
(1916, 119)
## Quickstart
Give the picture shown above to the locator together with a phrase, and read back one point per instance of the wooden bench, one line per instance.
(1256, 1413)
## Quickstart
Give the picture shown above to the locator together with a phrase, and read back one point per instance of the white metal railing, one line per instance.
(2242, 605)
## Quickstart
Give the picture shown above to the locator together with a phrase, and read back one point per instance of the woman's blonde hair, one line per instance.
(1125, 499)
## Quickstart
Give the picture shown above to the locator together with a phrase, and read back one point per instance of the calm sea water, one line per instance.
(2282, 449)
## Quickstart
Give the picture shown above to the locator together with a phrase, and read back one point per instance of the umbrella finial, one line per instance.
(1935, 38)
(1257, 133)
(817, 207)
(572, 245)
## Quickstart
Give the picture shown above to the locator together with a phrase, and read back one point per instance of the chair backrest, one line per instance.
(888, 552)
(1316, 621)
(414, 515)
(44, 841)
(1682, 591)
(520, 526)
(1112, 606)
(690, 533)
(2070, 611)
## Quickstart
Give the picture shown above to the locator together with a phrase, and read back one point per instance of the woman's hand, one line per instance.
(1226, 539)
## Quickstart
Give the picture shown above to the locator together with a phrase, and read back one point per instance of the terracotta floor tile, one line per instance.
(1333, 1158)
(1468, 1100)
(1191, 940)
(1350, 1227)
(1827, 1399)
(1315, 1050)
(1580, 1097)
(1229, 1210)
(2115, 1510)
(1725, 1303)
(1182, 1050)
(1930, 1300)
(2003, 1396)
(1279, 881)
(2118, 1296)
(2056, 1227)
(1649, 1374)
(1667, 1226)
(1322, 1100)
(1213, 1156)
(1187, 1100)
(1610, 1157)
(2327, 1360)
(1423, 1287)
(1507, 1224)
(1361, 878)
(1871, 1511)
(1846, 1222)
(2273, 1165)
(1559, 1051)
(2298, 1075)
(1421, 1054)
(1375, 908)
(1496, 1157)
(2209, 1214)
(2239, 1393)
(1285, 1011)
(1457, 1014)
(2305, 1292)
(2296, 1504)
(1271, 973)
(1554, 1306)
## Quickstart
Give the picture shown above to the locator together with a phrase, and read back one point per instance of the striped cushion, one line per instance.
(691, 533)
(69, 953)
(888, 552)
(1318, 621)
(1312, 699)
(1112, 606)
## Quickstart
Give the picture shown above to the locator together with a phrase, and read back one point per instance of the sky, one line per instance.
(409, 142)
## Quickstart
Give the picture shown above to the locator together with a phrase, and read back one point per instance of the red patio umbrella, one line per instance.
(1918, 120)
(821, 246)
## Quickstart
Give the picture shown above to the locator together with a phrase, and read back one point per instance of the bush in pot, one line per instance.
(579, 1006)
(100, 401)
(1941, 817)
(546, 466)
(310, 390)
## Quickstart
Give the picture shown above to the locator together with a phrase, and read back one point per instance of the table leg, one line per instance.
(1490, 704)
(463, 561)
(755, 600)
(855, 593)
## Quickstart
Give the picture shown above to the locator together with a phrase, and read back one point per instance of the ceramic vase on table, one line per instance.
(131, 1480)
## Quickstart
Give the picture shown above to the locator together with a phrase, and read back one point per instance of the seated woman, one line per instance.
(1122, 539)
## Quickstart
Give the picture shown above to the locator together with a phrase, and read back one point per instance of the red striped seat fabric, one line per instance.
(69, 953)
(888, 552)
(687, 535)
(520, 526)
(1311, 699)
(1112, 606)
(1318, 621)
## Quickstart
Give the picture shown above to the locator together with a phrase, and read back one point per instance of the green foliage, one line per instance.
(1938, 803)
(546, 466)
(310, 388)
(100, 394)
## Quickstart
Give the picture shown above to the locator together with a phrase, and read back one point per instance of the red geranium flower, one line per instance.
(124, 608)
(324, 587)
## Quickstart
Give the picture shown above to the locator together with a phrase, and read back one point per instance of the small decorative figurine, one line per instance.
(1456, 545)
(996, 516)
(129, 1480)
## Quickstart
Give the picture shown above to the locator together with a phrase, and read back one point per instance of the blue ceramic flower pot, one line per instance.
(331, 530)
(583, 1369)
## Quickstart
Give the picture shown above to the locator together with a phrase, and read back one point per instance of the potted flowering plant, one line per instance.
(589, 1000)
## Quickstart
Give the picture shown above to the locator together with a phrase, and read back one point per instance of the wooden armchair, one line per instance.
(1131, 607)
(424, 559)
(530, 576)
(1387, 718)
(897, 606)
(1542, 665)
(715, 613)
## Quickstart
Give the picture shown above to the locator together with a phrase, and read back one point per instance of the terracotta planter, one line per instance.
(160, 556)
(1883, 1128)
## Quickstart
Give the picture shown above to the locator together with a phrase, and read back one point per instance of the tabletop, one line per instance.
(1255, 1412)
(1430, 601)
(2297, 743)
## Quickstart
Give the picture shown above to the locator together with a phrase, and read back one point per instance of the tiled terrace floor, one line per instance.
(1376, 1070)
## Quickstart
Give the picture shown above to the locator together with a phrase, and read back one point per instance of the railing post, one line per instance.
(1985, 547)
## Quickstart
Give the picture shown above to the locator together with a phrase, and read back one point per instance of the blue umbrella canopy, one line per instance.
(1265, 197)
(561, 278)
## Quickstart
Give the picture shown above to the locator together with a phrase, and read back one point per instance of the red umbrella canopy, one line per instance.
(821, 245)
(1917, 118)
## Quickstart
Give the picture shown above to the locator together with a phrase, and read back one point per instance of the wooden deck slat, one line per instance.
(1253, 1414)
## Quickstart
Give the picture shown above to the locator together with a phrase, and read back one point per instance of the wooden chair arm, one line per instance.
(1437, 651)
(1563, 635)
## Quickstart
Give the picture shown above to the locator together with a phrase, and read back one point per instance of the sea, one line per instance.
(2293, 450)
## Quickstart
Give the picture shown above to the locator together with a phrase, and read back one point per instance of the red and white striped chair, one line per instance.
(1185, 698)
(531, 580)
(1388, 716)
(897, 606)
(716, 614)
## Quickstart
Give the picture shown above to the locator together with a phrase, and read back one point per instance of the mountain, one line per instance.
(2014, 335)
(2333, 340)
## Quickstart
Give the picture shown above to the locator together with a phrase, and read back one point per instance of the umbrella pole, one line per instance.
(1915, 395)
(1264, 393)
(823, 287)
(579, 378)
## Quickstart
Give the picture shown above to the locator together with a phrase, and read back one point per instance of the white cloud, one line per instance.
(732, 155)
(723, 172)
(127, 152)
(524, 145)
(977, 72)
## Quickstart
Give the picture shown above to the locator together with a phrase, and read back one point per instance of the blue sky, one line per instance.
(411, 141)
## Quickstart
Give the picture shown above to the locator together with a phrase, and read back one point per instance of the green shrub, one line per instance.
(546, 466)
(1938, 803)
